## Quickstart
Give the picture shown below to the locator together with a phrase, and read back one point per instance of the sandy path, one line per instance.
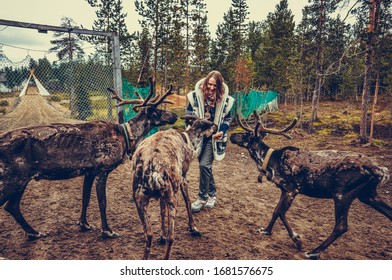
(33, 109)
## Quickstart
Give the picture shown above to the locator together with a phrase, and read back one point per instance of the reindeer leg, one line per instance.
(184, 191)
(101, 194)
(87, 186)
(141, 202)
(342, 205)
(378, 204)
(371, 198)
(12, 206)
(276, 214)
(170, 230)
(162, 239)
(287, 201)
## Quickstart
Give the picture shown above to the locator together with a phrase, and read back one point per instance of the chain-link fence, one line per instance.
(37, 91)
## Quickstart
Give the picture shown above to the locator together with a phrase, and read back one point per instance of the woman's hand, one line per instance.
(218, 135)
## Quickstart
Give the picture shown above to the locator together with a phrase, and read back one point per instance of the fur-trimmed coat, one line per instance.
(222, 117)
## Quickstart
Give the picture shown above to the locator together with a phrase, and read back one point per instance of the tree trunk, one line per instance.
(374, 109)
(319, 67)
(187, 50)
(374, 7)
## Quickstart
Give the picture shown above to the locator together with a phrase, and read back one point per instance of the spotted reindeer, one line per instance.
(159, 168)
(62, 151)
(330, 174)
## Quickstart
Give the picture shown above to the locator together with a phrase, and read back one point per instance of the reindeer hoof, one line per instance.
(109, 234)
(161, 240)
(312, 256)
(194, 232)
(298, 242)
(34, 236)
(85, 226)
(263, 231)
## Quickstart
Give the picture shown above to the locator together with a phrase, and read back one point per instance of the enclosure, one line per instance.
(77, 93)
(229, 230)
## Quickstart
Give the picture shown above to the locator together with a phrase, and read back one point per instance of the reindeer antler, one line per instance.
(157, 99)
(143, 102)
(122, 101)
(148, 96)
(161, 99)
(271, 131)
(244, 126)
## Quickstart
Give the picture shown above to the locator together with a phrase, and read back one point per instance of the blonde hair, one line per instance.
(220, 90)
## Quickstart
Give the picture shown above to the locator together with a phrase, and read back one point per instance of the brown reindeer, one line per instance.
(63, 151)
(338, 175)
(159, 168)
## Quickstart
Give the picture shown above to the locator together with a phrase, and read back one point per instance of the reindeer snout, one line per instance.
(234, 138)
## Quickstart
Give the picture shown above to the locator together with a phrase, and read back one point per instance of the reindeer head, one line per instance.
(147, 108)
(252, 138)
(200, 129)
(257, 134)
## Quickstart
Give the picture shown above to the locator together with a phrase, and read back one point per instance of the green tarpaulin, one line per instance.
(260, 101)
(129, 93)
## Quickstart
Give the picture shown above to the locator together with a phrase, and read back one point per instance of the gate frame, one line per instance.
(42, 28)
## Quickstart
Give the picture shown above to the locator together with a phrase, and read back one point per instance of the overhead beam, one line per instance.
(45, 28)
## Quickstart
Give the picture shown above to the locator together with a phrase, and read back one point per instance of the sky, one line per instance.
(15, 41)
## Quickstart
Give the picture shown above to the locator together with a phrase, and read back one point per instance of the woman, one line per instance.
(210, 100)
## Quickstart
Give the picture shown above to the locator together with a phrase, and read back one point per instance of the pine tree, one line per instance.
(240, 12)
(176, 53)
(110, 18)
(315, 18)
(156, 14)
(201, 39)
(144, 44)
(277, 49)
(338, 45)
(196, 39)
(371, 41)
(68, 45)
(230, 41)
(254, 37)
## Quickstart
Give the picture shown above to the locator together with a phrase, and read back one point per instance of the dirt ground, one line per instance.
(229, 230)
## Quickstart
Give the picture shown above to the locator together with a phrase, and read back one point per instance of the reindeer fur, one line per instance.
(63, 151)
(159, 168)
(338, 175)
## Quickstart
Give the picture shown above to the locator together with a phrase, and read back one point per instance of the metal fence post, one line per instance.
(117, 75)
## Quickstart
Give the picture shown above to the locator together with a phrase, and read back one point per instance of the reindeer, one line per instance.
(63, 151)
(159, 168)
(338, 175)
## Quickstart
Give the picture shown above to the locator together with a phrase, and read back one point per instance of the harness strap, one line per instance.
(126, 128)
(187, 139)
(266, 159)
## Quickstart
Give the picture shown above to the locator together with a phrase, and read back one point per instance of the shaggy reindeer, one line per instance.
(159, 168)
(338, 175)
(63, 151)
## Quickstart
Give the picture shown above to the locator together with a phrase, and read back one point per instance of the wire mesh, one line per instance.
(39, 91)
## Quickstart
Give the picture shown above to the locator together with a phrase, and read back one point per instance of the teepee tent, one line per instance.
(41, 89)
(4, 88)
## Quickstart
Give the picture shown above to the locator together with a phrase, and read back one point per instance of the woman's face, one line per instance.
(211, 86)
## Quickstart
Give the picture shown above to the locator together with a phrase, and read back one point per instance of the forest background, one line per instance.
(322, 57)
